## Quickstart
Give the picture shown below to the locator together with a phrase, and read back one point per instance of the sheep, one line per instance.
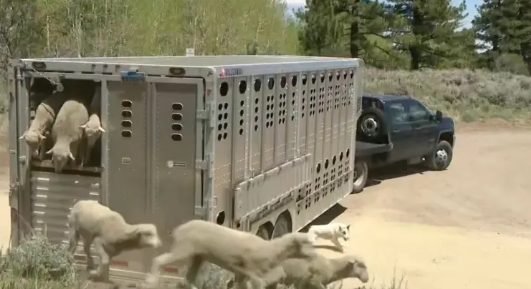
(92, 128)
(332, 231)
(67, 135)
(248, 256)
(319, 271)
(45, 115)
(110, 234)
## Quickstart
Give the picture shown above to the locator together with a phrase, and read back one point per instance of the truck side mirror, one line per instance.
(438, 115)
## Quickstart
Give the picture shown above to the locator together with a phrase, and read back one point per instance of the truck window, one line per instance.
(417, 112)
(397, 113)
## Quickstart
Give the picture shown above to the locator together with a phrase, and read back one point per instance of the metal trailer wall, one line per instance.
(238, 140)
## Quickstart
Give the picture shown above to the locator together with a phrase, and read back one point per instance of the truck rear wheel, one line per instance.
(360, 176)
(441, 157)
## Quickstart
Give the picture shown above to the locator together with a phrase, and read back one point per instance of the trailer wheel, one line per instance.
(372, 124)
(360, 176)
(282, 226)
(263, 232)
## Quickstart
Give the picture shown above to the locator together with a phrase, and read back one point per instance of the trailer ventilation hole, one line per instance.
(330, 76)
(348, 153)
(127, 104)
(334, 161)
(304, 79)
(126, 133)
(338, 75)
(326, 164)
(318, 168)
(257, 85)
(283, 82)
(224, 88)
(294, 80)
(127, 113)
(313, 78)
(271, 83)
(177, 106)
(242, 86)
(322, 77)
(126, 123)
(177, 127)
(176, 137)
(220, 219)
(351, 74)
(341, 156)
(176, 116)
(344, 75)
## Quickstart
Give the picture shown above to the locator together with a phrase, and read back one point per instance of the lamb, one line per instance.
(45, 115)
(248, 256)
(67, 135)
(318, 272)
(332, 231)
(92, 128)
(109, 232)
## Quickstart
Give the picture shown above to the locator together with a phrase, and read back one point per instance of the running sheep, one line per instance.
(318, 272)
(110, 234)
(45, 115)
(246, 255)
(92, 128)
(68, 137)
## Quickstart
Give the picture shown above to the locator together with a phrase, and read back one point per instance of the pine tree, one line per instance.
(426, 29)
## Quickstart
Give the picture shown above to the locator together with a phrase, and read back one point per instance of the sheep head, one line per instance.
(60, 157)
(92, 131)
(147, 235)
(33, 139)
(356, 268)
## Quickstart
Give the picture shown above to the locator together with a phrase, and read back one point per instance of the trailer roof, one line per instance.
(197, 61)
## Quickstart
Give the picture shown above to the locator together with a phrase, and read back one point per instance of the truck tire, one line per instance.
(372, 124)
(441, 157)
(360, 176)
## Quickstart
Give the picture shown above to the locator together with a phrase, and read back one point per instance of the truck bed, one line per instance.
(366, 149)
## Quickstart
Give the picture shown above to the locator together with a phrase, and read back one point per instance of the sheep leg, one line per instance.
(152, 278)
(338, 244)
(102, 273)
(191, 275)
(73, 239)
(88, 253)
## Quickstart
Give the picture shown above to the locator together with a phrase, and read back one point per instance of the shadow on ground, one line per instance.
(326, 217)
(376, 176)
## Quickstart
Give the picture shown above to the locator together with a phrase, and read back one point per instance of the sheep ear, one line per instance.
(71, 156)
(101, 129)
(49, 152)
(42, 137)
(348, 227)
(22, 136)
(83, 126)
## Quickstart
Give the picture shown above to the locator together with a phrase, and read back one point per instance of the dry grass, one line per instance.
(464, 94)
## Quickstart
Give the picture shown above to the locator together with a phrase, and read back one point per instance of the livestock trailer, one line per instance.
(259, 143)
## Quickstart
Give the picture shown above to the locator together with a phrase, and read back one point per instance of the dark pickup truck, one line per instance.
(399, 128)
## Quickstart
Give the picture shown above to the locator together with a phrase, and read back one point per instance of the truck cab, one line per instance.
(397, 128)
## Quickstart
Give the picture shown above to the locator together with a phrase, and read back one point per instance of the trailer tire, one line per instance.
(372, 124)
(360, 176)
(263, 232)
(282, 225)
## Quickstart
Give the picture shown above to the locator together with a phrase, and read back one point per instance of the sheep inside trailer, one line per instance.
(259, 143)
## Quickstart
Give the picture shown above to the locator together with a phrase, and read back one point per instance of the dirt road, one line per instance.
(467, 227)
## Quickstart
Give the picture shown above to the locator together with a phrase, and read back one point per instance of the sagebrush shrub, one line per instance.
(36, 260)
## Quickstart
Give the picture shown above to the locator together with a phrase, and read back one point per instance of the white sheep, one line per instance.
(67, 135)
(92, 128)
(109, 232)
(318, 271)
(332, 232)
(45, 115)
(248, 256)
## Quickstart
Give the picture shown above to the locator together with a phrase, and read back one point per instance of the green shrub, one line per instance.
(36, 263)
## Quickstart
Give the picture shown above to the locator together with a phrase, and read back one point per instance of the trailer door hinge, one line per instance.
(205, 165)
(203, 114)
(14, 188)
